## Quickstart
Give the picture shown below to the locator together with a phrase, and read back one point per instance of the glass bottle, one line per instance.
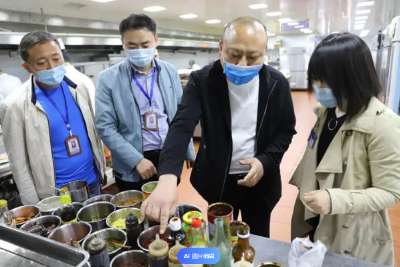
(132, 229)
(243, 248)
(175, 225)
(220, 243)
(8, 215)
(68, 213)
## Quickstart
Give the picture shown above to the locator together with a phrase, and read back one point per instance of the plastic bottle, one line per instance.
(175, 225)
(68, 213)
(243, 247)
(220, 243)
(158, 253)
(198, 240)
(8, 215)
(173, 255)
(132, 230)
(98, 253)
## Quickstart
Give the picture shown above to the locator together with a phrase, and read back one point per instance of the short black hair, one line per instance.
(66, 56)
(344, 62)
(248, 21)
(33, 38)
(137, 21)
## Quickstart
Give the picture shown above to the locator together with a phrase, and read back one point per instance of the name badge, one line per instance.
(73, 146)
(150, 121)
(312, 138)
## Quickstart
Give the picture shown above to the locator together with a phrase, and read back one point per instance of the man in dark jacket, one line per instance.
(247, 119)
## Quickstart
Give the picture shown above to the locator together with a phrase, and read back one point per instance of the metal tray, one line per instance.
(18, 248)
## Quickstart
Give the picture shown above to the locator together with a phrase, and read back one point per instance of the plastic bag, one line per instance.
(305, 253)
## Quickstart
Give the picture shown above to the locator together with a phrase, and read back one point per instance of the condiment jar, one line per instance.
(132, 230)
(158, 253)
(187, 223)
(173, 255)
(97, 249)
(175, 225)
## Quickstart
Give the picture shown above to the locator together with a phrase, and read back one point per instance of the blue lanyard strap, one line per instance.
(64, 117)
(149, 97)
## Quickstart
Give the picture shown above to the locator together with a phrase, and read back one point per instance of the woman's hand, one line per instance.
(318, 201)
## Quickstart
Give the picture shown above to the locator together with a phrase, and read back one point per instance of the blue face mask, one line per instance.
(240, 74)
(325, 96)
(140, 57)
(52, 77)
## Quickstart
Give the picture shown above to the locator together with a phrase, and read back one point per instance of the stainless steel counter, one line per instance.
(277, 251)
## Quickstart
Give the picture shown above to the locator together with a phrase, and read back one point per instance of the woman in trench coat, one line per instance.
(350, 173)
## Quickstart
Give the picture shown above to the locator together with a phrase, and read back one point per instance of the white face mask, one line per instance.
(140, 57)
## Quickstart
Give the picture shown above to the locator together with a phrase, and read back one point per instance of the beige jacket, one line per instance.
(361, 171)
(26, 136)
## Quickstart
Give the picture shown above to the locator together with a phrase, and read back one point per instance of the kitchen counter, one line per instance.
(277, 251)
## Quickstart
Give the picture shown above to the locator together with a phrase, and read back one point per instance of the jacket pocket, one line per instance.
(378, 228)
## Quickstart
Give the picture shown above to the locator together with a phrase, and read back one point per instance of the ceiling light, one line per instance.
(188, 16)
(270, 34)
(361, 18)
(293, 23)
(360, 22)
(154, 8)
(364, 33)
(102, 1)
(369, 3)
(274, 14)
(359, 26)
(299, 26)
(363, 12)
(285, 20)
(306, 30)
(258, 6)
(334, 32)
(213, 21)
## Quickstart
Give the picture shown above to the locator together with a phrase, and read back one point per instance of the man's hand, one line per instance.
(318, 201)
(255, 174)
(146, 169)
(161, 204)
(189, 163)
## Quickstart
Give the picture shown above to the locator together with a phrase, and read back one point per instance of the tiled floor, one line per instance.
(281, 216)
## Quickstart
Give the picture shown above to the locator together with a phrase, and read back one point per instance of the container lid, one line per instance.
(158, 248)
(131, 219)
(96, 245)
(175, 224)
(173, 252)
(196, 223)
(189, 216)
(243, 232)
(242, 263)
(3, 203)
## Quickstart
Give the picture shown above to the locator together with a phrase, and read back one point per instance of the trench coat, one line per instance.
(361, 172)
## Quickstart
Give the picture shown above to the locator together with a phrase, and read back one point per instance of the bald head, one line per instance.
(244, 42)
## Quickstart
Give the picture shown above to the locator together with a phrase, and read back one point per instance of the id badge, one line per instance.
(73, 146)
(312, 138)
(150, 121)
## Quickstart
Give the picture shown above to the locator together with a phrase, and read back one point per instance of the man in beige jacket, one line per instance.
(48, 125)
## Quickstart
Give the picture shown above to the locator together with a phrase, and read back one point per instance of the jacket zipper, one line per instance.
(230, 146)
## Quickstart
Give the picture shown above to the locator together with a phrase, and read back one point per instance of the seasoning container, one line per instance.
(198, 237)
(223, 211)
(187, 224)
(67, 211)
(176, 233)
(243, 247)
(173, 255)
(97, 249)
(158, 253)
(132, 227)
(221, 244)
(242, 263)
(234, 228)
(7, 214)
(148, 188)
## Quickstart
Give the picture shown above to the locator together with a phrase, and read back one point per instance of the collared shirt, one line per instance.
(152, 140)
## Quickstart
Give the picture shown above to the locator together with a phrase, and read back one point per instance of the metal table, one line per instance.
(277, 251)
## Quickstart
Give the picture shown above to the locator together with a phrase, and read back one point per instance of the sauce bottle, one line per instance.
(158, 253)
(8, 215)
(242, 263)
(198, 240)
(175, 225)
(173, 255)
(220, 243)
(98, 253)
(68, 213)
(243, 248)
(132, 230)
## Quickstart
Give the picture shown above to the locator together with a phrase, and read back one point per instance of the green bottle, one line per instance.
(220, 243)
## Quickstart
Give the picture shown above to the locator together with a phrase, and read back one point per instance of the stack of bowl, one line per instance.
(96, 214)
(132, 195)
(76, 231)
(23, 212)
(100, 198)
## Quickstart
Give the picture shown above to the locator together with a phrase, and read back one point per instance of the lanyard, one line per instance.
(66, 117)
(149, 97)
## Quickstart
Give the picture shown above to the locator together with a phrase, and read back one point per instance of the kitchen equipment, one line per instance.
(77, 207)
(48, 205)
(96, 214)
(294, 60)
(119, 198)
(77, 231)
(79, 191)
(108, 234)
(19, 248)
(121, 214)
(48, 219)
(150, 234)
(24, 211)
(135, 258)
(9, 185)
(100, 198)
